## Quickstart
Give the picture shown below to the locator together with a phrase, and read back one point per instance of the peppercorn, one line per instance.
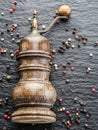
(66, 29)
(67, 112)
(83, 103)
(72, 46)
(72, 68)
(67, 44)
(95, 44)
(86, 125)
(76, 37)
(60, 110)
(61, 51)
(2, 39)
(8, 66)
(2, 33)
(88, 115)
(60, 100)
(70, 115)
(73, 32)
(64, 72)
(82, 110)
(63, 108)
(6, 116)
(79, 45)
(75, 99)
(62, 48)
(8, 30)
(68, 62)
(64, 65)
(13, 39)
(6, 98)
(8, 77)
(67, 81)
(77, 116)
(93, 90)
(12, 55)
(69, 39)
(77, 109)
(63, 120)
(53, 51)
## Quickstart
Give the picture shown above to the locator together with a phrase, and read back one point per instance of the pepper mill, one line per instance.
(34, 95)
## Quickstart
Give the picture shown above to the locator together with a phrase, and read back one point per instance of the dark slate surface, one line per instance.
(85, 18)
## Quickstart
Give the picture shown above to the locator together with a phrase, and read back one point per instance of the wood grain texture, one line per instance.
(85, 18)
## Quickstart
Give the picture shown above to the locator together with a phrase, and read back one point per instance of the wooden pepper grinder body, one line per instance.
(34, 94)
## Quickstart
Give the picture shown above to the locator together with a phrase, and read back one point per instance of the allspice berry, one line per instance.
(64, 10)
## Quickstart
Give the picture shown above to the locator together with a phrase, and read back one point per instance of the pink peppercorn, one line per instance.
(6, 116)
(14, 8)
(67, 112)
(76, 37)
(69, 124)
(93, 90)
(11, 10)
(17, 51)
(84, 41)
(64, 72)
(72, 68)
(60, 100)
(53, 51)
(15, 2)
(53, 56)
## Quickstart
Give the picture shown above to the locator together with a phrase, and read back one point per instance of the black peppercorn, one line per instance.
(82, 110)
(66, 29)
(61, 51)
(68, 62)
(6, 24)
(73, 32)
(79, 45)
(62, 48)
(64, 65)
(8, 30)
(2, 33)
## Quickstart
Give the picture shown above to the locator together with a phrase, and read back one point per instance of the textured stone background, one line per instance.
(85, 18)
